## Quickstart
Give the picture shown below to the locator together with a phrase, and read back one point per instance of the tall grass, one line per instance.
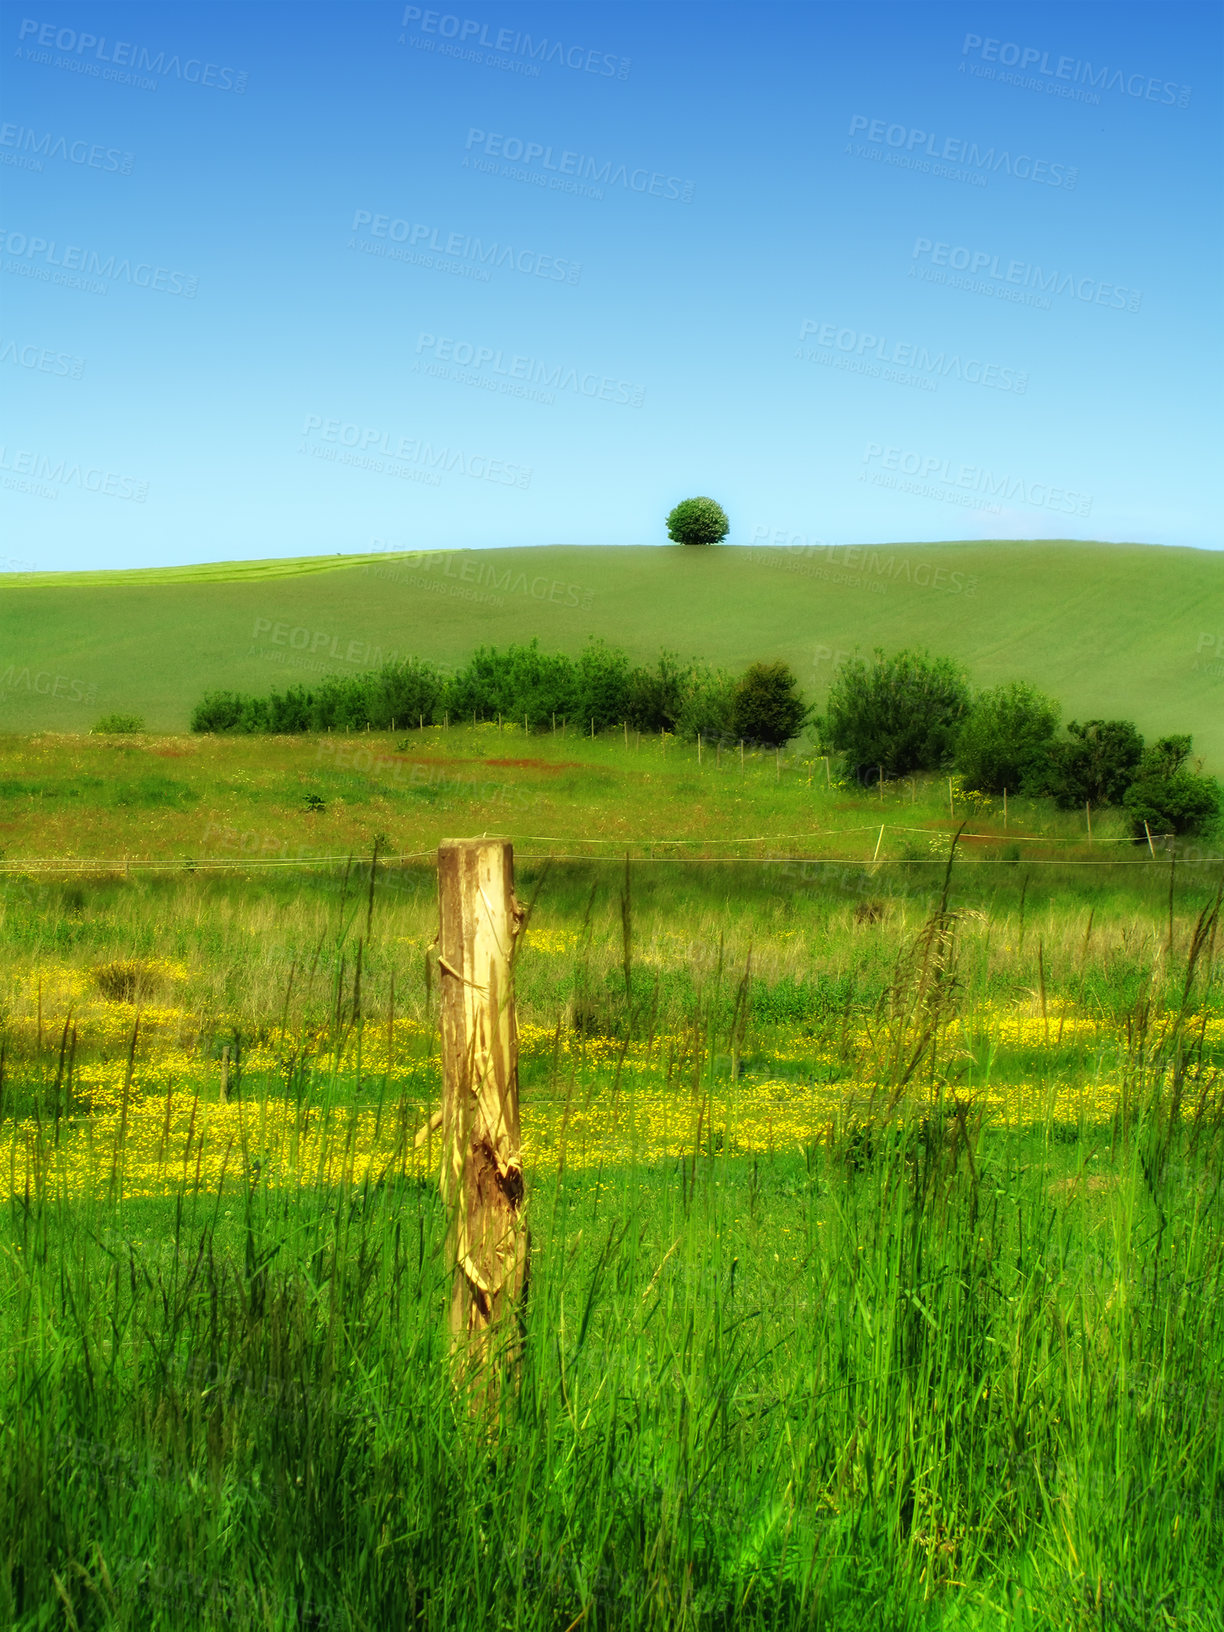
(931, 1372)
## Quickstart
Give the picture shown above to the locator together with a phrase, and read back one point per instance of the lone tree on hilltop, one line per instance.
(698, 521)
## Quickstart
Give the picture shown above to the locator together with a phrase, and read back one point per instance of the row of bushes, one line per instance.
(910, 712)
(887, 717)
(601, 689)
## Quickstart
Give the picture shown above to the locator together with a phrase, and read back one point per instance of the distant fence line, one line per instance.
(647, 850)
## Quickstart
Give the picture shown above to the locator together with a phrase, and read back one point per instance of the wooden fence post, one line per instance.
(482, 1173)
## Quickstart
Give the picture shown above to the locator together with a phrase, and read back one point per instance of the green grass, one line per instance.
(923, 1371)
(237, 798)
(1109, 629)
(964, 1400)
(936, 1376)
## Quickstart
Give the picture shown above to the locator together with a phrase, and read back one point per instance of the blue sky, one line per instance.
(292, 280)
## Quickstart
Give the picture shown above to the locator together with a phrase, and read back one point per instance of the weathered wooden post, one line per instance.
(482, 1173)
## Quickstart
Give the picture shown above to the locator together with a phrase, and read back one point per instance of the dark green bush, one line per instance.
(1094, 764)
(899, 713)
(603, 686)
(397, 694)
(1169, 798)
(411, 693)
(218, 711)
(517, 682)
(656, 695)
(1004, 741)
(766, 707)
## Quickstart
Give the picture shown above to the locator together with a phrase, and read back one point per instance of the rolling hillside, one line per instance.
(1130, 630)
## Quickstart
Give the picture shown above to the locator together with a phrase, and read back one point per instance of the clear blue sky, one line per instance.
(285, 280)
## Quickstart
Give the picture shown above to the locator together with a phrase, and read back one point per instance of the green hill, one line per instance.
(1111, 629)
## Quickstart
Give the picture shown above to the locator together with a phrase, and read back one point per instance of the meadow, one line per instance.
(874, 1187)
(180, 801)
(1149, 647)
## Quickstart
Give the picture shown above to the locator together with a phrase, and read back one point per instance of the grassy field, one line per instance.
(875, 1182)
(1111, 630)
(167, 798)
(877, 1267)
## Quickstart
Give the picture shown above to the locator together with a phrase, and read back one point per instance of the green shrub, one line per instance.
(766, 707)
(524, 683)
(413, 693)
(116, 725)
(697, 521)
(603, 686)
(1166, 796)
(218, 711)
(399, 693)
(900, 713)
(656, 695)
(1094, 764)
(708, 706)
(1004, 741)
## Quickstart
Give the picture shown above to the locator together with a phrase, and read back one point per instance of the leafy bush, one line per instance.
(218, 711)
(519, 681)
(1004, 741)
(288, 712)
(656, 696)
(403, 693)
(412, 693)
(766, 707)
(115, 725)
(900, 713)
(708, 706)
(604, 686)
(1169, 798)
(698, 521)
(522, 682)
(1094, 764)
